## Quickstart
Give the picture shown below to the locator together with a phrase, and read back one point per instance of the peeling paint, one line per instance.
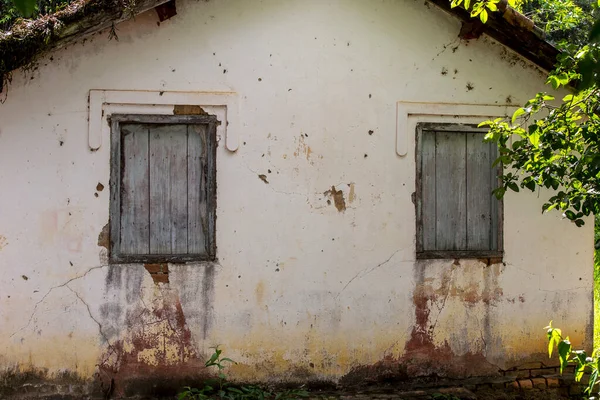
(352, 194)
(104, 237)
(338, 198)
(158, 272)
(3, 242)
(188, 109)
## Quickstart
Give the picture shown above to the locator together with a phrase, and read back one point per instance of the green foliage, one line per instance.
(12, 11)
(583, 364)
(564, 21)
(221, 388)
(554, 145)
(480, 8)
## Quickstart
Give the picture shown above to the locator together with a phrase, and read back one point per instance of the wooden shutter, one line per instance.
(164, 189)
(457, 215)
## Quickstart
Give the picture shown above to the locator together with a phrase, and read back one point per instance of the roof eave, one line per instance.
(513, 30)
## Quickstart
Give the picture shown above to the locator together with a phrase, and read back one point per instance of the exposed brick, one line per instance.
(539, 383)
(513, 386)
(552, 381)
(501, 382)
(525, 384)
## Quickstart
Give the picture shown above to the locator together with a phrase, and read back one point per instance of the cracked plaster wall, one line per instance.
(316, 275)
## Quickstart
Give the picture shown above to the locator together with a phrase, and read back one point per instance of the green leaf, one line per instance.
(483, 16)
(513, 186)
(592, 382)
(534, 139)
(517, 114)
(564, 350)
(553, 80)
(530, 185)
(499, 192)
(26, 7)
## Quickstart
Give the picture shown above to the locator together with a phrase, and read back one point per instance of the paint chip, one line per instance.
(263, 178)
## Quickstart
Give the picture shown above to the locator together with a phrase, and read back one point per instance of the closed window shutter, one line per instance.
(458, 212)
(164, 189)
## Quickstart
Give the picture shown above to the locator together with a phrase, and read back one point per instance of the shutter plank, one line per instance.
(135, 207)
(479, 193)
(168, 189)
(428, 192)
(495, 203)
(197, 205)
(450, 179)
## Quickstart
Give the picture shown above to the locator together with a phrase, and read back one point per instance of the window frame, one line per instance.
(422, 254)
(116, 177)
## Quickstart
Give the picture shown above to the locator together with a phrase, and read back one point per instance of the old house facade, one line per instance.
(299, 182)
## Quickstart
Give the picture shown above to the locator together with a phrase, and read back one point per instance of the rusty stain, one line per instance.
(158, 272)
(303, 148)
(259, 291)
(338, 198)
(99, 187)
(352, 194)
(157, 351)
(188, 109)
(104, 237)
(422, 355)
(263, 178)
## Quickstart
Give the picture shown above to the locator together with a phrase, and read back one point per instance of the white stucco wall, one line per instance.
(301, 291)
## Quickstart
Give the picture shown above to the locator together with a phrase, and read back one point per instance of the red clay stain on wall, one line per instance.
(155, 354)
(422, 356)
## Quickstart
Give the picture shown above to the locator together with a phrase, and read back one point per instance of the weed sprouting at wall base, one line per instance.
(221, 388)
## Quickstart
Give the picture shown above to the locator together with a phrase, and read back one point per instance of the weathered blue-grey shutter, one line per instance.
(456, 211)
(168, 189)
(198, 223)
(164, 196)
(135, 204)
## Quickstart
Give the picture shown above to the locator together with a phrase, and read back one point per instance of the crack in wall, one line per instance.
(448, 283)
(87, 306)
(366, 271)
(35, 307)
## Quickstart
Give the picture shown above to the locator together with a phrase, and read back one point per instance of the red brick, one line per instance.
(525, 384)
(539, 383)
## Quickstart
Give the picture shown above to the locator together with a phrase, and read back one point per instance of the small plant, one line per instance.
(582, 362)
(221, 388)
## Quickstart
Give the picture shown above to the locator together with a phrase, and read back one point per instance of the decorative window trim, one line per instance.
(116, 120)
(103, 103)
(405, 110)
